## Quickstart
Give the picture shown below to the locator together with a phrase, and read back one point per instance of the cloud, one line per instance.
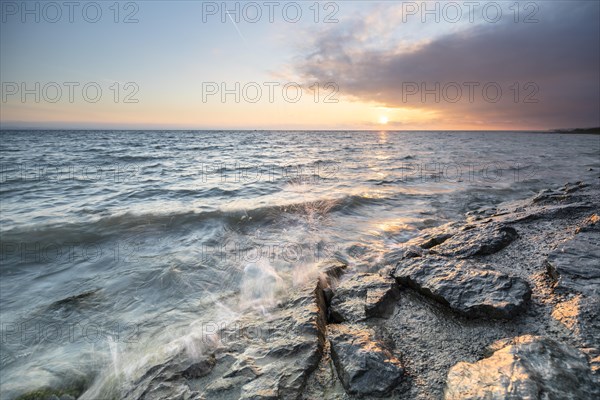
(554, 61)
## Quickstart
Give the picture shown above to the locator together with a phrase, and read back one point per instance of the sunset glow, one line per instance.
(331, 74)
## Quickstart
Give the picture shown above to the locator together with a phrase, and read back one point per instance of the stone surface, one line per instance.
(591, 224)
(470, 290)
(435, 240)
(365, 366)
(363, 296)
(550, 196)
(562, 203)
(277, 363)
(259, 357)
(526, 367)
(480, 241)
(419, 246)
(168, 380)
(400, 253)
(581, 316)
(434, 236)
(575, 265)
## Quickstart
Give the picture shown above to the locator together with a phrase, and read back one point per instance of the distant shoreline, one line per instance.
(592, 131)
(579, 130)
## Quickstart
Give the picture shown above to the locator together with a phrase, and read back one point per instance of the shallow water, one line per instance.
(161, 234)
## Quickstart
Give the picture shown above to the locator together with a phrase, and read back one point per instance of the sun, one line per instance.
(383, 120)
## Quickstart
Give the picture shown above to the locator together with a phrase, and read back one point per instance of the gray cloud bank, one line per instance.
(559, 55)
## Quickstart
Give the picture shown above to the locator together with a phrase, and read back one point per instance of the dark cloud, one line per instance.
(560, 54)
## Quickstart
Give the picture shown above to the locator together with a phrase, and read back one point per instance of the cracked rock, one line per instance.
(363, 296)
(479, 241)
(526, 367)
(469, 290)
(364, 365)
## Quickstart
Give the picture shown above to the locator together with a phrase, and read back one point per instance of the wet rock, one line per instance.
(365, 366)
(549, 196)
(244, 366)
(469, 290)
(526, 367)
(419, 246)
(261, 389)
(398, 254)
(363, 296)
(332, 268)
(432, 237)
(412, 252)
(575, 265)
(276, 362)
(260, 356)
(168, 380)
(479, 241)
(435, 240)
(171, 391)
(563, 203)
(531, 213)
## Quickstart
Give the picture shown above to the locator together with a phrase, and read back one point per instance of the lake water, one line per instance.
(116, 244)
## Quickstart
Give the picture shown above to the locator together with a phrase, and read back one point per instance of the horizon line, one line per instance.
(550, 130)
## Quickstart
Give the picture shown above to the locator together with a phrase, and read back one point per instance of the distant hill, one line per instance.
(579, 130)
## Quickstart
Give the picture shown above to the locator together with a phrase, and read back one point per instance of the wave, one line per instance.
(131, 224)
(130, 158)
(179, 194)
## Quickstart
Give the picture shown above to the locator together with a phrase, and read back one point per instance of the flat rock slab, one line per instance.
(575, 264)
(435, 236)
(365, 366)
(363, 296)
(478, 241)
(469, 290)
(548, 204)
(526, 367)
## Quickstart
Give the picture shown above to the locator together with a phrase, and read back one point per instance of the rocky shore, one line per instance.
(504, 304)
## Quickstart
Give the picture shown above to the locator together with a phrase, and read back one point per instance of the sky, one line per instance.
(394, 65)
